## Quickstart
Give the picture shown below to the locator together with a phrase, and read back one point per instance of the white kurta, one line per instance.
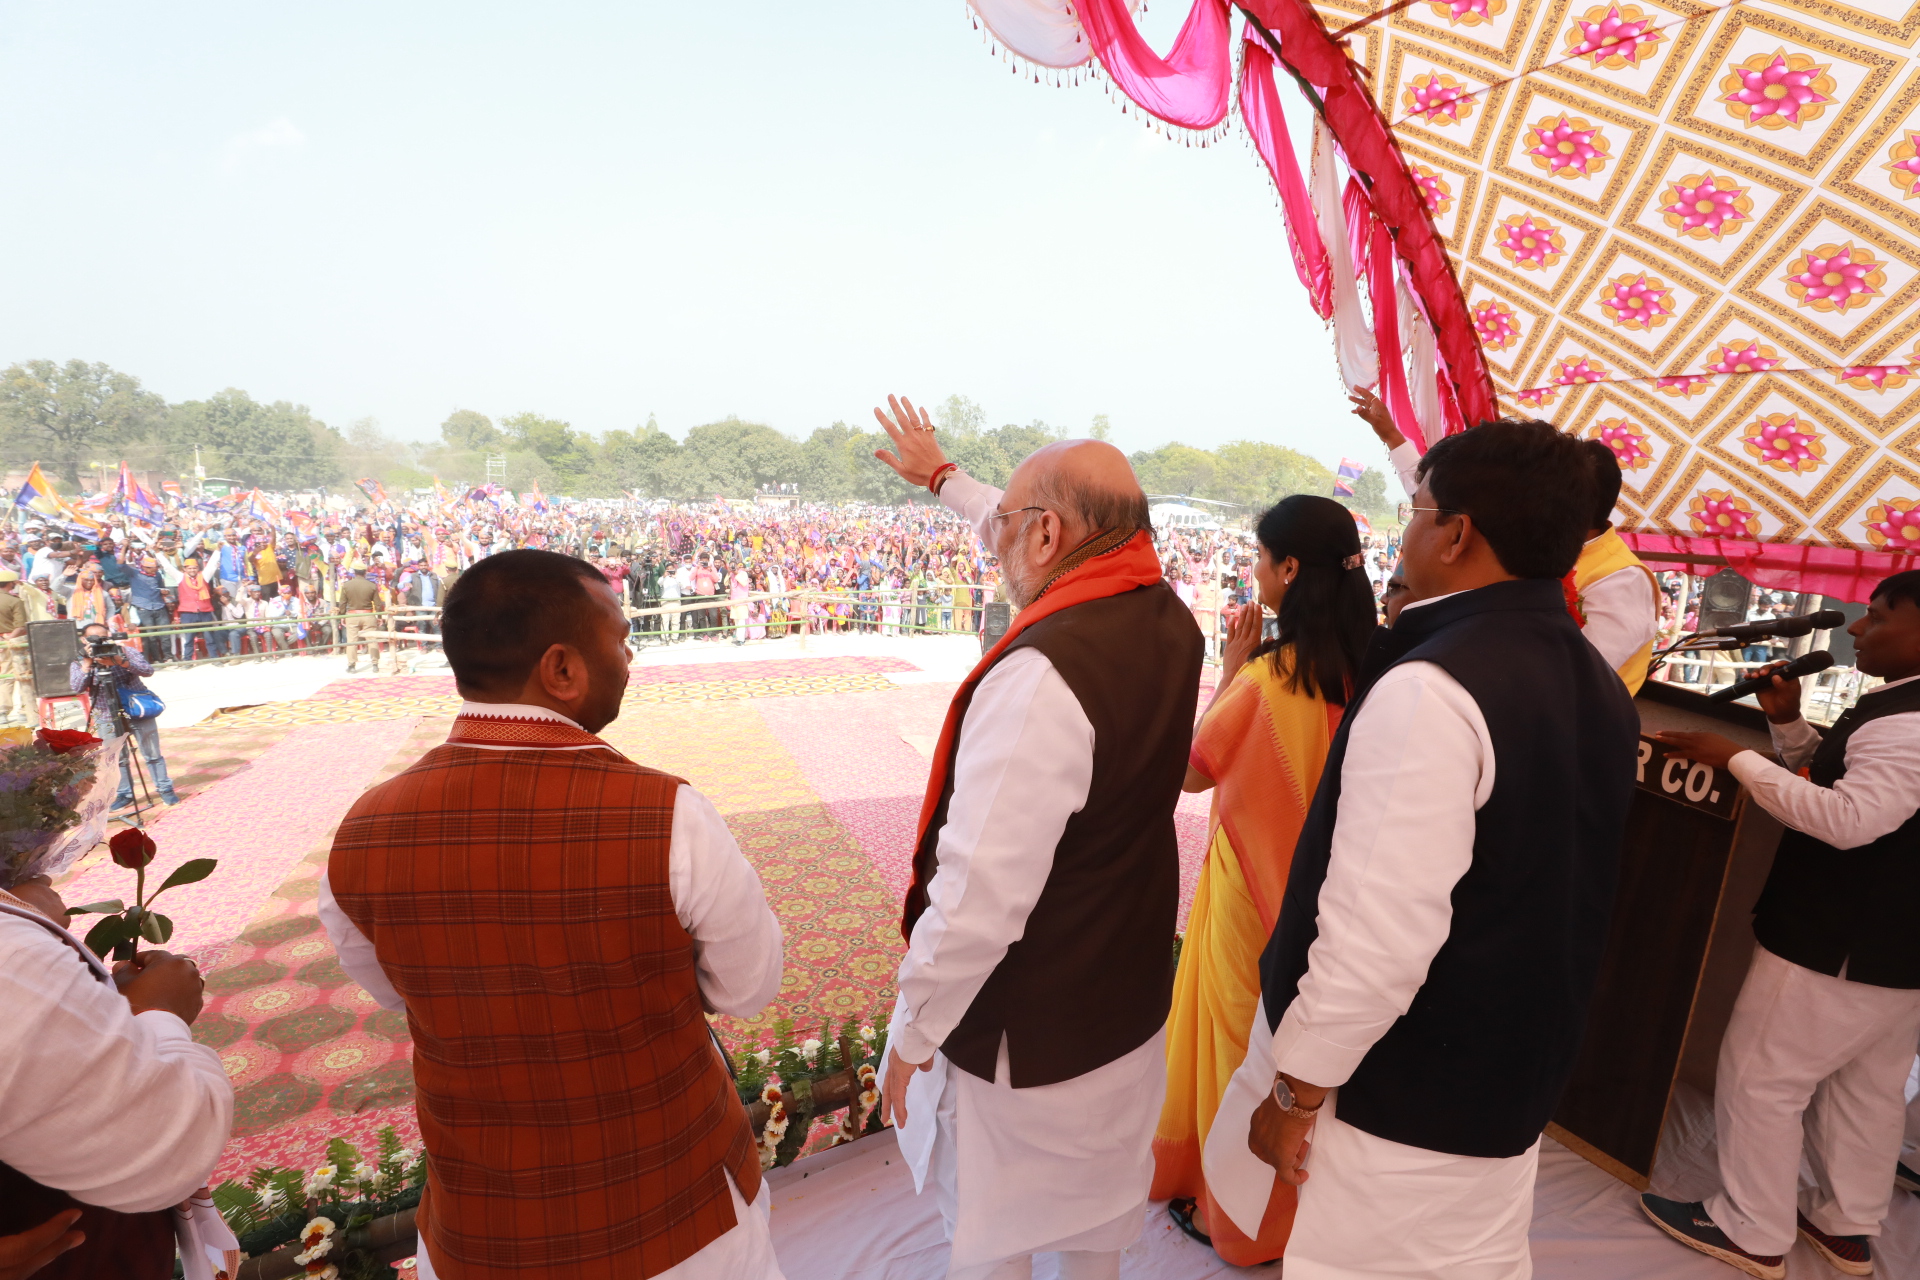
(1015, 1171)
(738, 959)
(1419, 765)
(76, 1064)
(1810, 1061)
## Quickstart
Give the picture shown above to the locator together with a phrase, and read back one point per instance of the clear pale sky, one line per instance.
(596, 211)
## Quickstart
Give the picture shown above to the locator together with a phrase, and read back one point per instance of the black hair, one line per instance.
(1528, 487)
(1900, 586)
(1327, 616)
(1606, 483)
(508, 610)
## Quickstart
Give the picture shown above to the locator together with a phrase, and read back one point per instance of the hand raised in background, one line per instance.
(911, 431)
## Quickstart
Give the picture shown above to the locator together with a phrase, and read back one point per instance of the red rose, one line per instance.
(132, 848)
(61, 741)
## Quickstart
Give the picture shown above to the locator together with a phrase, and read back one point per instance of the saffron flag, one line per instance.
(1344, 478)
(136, 502)
(372, 488)
(38, 494)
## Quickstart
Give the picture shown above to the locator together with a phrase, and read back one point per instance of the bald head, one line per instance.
(1088, 482)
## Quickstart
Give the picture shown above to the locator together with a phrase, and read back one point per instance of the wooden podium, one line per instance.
(1696, 857)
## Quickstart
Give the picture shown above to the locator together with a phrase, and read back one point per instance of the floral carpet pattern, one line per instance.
(818, 766)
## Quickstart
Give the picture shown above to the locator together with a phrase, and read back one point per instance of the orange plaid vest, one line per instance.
(577, 1119)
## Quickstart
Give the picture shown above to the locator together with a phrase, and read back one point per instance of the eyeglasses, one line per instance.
(1002, 515)
(1439, 511)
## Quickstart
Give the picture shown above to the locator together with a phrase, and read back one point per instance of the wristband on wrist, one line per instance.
(939, 476)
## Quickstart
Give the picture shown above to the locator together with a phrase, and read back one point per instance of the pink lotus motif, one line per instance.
(1783, 442)
(1638, 301)
(1433, 189)
(1835, 277)
(1530, 243)
(1700, 205)
(1568, 147)
(1437, 98)
(1746, 356)
(1875, 377)
(1777, 90)
(1686, 385)
(1579, 371)
(1496, 324)
(1537, 397)
(1718, 513)
(1903, 161)
(1894, 525)
(1628, 440)
(1613, 36)
(1467, 13)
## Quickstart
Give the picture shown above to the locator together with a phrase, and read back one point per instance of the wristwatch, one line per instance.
(1284, 1099)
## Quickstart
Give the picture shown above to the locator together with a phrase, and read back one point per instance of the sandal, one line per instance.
(1181, 1210)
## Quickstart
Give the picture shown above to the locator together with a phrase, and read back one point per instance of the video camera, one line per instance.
(102, 647)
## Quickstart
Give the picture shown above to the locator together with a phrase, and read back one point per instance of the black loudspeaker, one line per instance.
(994, 621)
(53, 648)
(1724, 600)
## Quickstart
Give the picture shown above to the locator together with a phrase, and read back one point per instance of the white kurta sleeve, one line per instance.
(972, 500)
(1419, 764)
(121, 1111)
(739, 953)
(1880, 791)
(1406, 462)
(1621, 614)
(355, 950)
(1024, 766)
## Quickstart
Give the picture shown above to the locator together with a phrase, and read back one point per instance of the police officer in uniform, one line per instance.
(1822, 1036)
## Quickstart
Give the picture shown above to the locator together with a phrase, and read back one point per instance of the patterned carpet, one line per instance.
(817, 765)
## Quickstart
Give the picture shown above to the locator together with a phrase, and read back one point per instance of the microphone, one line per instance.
(1804, 665)
(1819, 620)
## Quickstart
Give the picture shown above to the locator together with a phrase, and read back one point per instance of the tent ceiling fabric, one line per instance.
(1688, 228)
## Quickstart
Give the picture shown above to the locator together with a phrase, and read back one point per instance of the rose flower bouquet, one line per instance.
(56, 788)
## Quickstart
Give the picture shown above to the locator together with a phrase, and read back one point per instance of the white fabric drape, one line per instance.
(1352, 331)
(1041, 31)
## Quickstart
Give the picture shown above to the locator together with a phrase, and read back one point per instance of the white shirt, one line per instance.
(1621, 614)
(1419, 765)
(78, 1067)
(717, 897)
(1880, 791)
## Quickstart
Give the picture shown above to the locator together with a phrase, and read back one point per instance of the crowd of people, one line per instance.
(1421, 789)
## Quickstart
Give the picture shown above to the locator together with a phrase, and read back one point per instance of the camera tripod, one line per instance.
(103, 685)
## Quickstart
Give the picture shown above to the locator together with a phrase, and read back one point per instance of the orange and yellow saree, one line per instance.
(1263, 745)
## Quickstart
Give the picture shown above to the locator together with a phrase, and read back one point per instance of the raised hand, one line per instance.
(1243, 637)
(911, 431)
(1372, 410)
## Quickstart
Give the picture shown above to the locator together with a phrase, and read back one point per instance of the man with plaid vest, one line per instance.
(555, 920)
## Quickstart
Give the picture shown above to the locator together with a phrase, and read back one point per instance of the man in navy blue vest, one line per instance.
(1426, 986)
(1822, 1036)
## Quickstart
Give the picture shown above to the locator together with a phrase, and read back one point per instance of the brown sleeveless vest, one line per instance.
(1091, 978)
(577, 1118)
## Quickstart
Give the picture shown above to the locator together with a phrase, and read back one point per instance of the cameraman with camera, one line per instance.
(110, 673)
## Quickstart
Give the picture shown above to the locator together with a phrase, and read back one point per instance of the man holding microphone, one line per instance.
(1826, 1022)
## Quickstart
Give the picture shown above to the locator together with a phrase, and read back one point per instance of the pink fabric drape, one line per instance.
(1267, 125)
(1191, 86)
(1837, 572)
(1369, 146)
(1386, 331)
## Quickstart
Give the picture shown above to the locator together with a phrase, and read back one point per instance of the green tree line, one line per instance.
(71, 417)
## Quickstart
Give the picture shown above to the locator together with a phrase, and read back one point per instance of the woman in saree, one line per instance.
(1259, 748)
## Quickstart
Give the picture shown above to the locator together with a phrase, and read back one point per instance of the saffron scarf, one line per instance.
(1106, 564)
